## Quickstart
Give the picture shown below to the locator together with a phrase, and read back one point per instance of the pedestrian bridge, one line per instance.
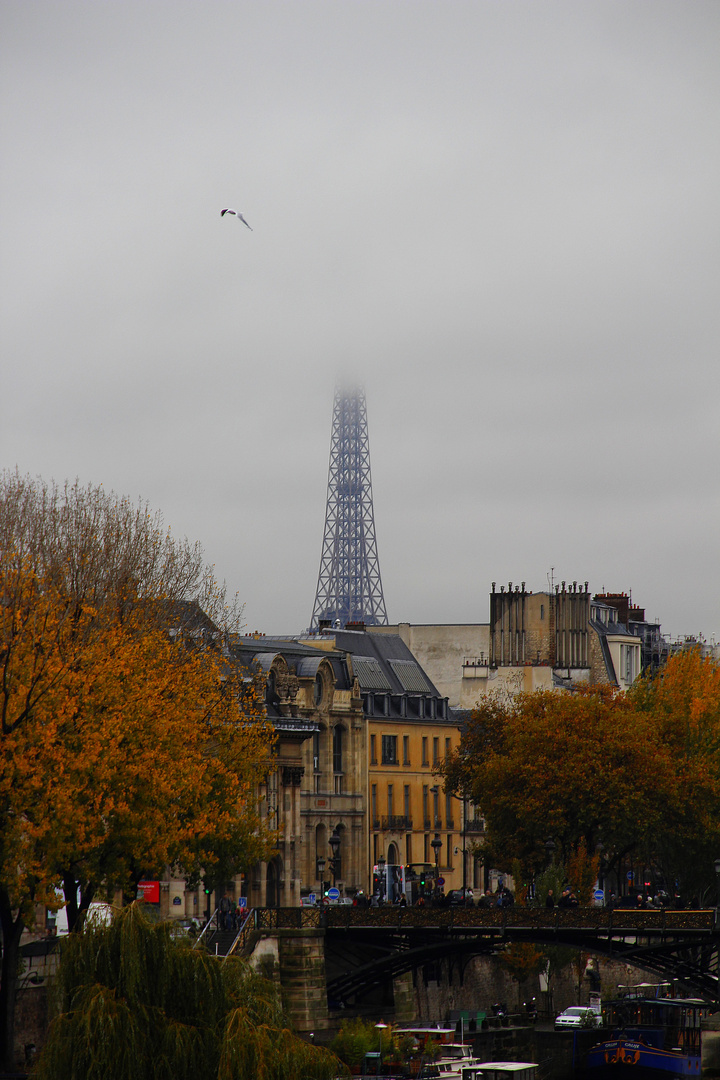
(366, 947)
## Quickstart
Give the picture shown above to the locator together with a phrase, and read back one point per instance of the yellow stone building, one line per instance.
(361, 731)
(408, 731)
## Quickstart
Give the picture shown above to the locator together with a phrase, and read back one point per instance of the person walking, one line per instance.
(225, 908)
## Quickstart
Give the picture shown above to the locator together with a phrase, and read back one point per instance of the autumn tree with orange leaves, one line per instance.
(682, 705)
(568, 767)
(129, 742)
(637, 773)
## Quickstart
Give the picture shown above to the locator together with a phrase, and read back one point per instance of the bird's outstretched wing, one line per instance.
(237, 214)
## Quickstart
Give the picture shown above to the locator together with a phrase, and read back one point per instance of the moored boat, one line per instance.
(657, 1038)
(502, 1070)
(455, 1057)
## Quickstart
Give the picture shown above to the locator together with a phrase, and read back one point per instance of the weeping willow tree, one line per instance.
(135, 1004)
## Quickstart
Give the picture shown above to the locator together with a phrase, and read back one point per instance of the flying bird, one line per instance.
(237, 215)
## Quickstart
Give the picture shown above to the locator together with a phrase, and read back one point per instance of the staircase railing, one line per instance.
(206, 927)
(240, 939)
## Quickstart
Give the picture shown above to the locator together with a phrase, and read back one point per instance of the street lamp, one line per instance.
(381, 1026)
(436, 844)
(599, 849)
(381, 876)
(334, 843)
(717, 921)
(464, 853)
(320, 869)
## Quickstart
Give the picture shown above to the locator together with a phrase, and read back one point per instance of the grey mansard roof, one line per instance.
(389, 655)
(382, 664)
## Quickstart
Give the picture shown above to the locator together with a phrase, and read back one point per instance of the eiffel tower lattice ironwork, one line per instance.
(349, 587)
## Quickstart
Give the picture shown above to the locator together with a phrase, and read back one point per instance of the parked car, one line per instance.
(187, 927)
(461, 898)
(577, 1016)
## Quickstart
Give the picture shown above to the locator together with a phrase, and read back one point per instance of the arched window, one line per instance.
(271, 688)
(337, 749)
(273, 882)
(321, 851)
(318, 689)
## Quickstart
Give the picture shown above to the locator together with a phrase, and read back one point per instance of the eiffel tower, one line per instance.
(349, 588)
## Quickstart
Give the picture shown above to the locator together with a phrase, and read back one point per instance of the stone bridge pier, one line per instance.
(296, 957)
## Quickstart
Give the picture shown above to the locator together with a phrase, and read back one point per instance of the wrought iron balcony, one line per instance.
(397, 823)
(477, 826)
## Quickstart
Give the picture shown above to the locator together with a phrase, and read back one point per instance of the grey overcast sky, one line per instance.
(500, 217)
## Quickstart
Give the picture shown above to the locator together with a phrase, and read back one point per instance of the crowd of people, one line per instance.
(230, 914)
(640, 901)
(504, 898)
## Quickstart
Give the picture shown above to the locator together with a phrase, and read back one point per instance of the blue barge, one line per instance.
(653, 1038)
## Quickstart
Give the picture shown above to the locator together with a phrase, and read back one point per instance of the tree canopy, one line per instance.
(633, 775)
(135, 1003)
(682, 704)
(129, 742)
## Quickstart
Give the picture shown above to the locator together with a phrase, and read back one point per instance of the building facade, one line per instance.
(560, 639)
(361, 733)
(318, 789)
(409, 730)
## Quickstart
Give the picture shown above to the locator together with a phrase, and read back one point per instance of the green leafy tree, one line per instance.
(552, 877)
(359, 1037)
(136, 1004)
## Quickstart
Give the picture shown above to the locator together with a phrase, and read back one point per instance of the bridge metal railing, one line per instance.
(517, 917)
(295, 918)
(270, 919)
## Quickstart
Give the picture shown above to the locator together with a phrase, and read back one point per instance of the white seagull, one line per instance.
(237, 215)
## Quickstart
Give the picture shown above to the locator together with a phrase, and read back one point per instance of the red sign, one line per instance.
(149, 891)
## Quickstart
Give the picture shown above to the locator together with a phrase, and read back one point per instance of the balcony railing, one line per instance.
(477, 826)
(396, 823)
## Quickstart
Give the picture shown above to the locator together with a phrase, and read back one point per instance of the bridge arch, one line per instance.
(388, 942)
